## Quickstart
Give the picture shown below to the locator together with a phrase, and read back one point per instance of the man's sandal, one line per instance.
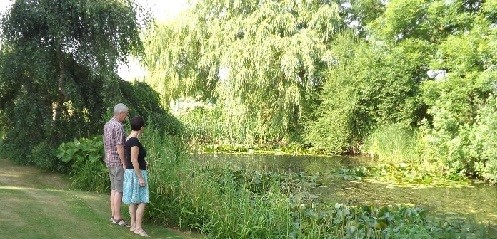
(121, 223)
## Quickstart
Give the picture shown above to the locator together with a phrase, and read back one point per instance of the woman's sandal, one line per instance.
(141, 232)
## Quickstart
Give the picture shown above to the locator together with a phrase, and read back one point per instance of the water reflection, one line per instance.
(476, 201)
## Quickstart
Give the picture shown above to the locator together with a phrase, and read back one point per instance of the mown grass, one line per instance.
(41, 205)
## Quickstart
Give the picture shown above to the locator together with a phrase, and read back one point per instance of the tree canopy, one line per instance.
(267, 56)
(326, 75)
(331, 75)
(58, 65)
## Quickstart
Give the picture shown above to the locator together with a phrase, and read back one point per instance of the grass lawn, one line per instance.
(36, 204)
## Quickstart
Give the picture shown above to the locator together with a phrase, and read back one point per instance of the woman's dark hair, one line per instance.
(137, 123)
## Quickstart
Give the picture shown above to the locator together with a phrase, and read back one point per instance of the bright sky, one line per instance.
(4, 5)
(163, 10)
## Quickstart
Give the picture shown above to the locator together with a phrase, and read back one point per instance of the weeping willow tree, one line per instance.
(260, 61)
(58, 65)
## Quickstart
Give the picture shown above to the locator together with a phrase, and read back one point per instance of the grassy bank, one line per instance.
(41, 205)
(227, 200)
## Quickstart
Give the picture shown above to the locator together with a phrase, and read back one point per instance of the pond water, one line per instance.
(457, 201)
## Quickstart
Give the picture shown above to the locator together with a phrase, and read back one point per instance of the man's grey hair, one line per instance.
(119, 108)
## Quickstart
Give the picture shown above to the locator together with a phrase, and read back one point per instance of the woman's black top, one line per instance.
(132, 142)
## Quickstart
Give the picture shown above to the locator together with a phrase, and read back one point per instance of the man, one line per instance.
(114, 138)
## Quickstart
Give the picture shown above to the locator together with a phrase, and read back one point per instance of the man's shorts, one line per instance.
(116, 175)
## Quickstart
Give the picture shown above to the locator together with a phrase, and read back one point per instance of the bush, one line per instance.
(43, 156)
(483, 137)
(87, 170)
(459, 135)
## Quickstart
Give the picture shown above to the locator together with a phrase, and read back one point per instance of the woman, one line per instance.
(135, 190)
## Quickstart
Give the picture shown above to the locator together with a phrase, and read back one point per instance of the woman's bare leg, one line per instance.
(140, 210)
(132, 215)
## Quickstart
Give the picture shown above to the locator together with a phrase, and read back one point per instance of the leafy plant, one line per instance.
(81, 150)
(85, 157)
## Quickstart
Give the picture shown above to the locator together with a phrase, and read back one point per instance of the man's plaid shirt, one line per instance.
(113, 135)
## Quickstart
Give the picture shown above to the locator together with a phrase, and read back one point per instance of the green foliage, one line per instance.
(336, 77)
(368, 86)
(424, 19)
(262, 62)
(483, 138)
(394, 144)
(144, 101)
(445, 140)
(454, 104)
(360, 70)
(85, 157)
(357, 14)
(164, 155)
(57, 70)
(400, 18)
(81, 150)
(227, 201)
(383, 82)
(333, 128)
(211, 124)
(43, 156)
(97, 34)
(396, 172)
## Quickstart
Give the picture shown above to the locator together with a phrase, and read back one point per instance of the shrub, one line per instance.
(43, 156)
(454, 105)
(483, 137)
(87, 170)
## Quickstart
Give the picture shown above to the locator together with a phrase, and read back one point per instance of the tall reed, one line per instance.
(233, 202)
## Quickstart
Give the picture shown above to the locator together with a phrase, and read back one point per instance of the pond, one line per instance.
(455, 201)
